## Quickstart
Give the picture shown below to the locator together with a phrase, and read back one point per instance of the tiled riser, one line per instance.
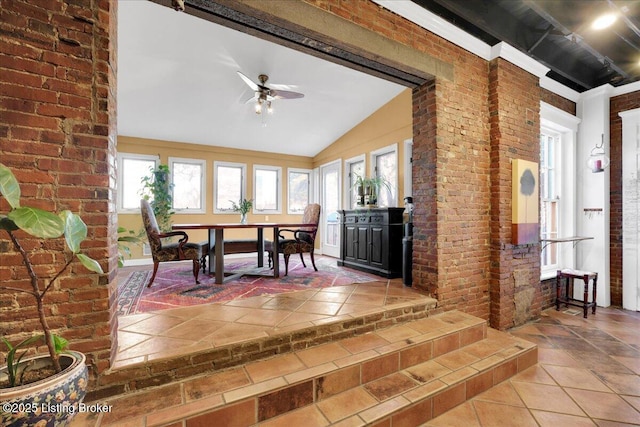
(158, 373)
(408, 381)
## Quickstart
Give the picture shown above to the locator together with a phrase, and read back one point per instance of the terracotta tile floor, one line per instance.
(588, 371)
(168, 333)
(588, 374)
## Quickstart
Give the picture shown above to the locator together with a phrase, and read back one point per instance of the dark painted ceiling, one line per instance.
(558, 34)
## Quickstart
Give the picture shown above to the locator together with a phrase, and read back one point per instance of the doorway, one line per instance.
(330, 184)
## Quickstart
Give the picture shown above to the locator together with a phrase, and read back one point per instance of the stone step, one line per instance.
(412, 371)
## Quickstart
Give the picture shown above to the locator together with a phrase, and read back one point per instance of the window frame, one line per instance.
(309, 173)
(389, 149)
(555, 120)
(120, 158)
(348, 190)
(278, 170)
(557, 197)
(203, 198)
(243, 184)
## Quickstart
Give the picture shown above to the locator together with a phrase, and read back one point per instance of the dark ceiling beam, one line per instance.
(235, 15)
(501, 24)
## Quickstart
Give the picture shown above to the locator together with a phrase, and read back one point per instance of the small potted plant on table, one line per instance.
(41, 390)
(243, 206)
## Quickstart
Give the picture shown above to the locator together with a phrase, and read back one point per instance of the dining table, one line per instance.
(216, 245)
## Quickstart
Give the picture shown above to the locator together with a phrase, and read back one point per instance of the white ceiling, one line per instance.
(177, 81)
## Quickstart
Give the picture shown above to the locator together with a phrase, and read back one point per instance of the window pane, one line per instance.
(355, 170)
(133, 170)
(228, 186)
(298, 191)
(549, 201)
(266, 189)
(386, 167)
(187, 181)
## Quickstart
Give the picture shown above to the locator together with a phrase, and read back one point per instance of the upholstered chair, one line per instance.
(164, 252)
(298, 241)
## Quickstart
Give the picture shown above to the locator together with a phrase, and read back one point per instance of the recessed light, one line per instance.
(604, 21)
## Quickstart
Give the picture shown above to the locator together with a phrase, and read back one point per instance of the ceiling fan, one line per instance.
(264, 94)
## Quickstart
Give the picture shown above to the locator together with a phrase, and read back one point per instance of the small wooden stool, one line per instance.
(569, 275)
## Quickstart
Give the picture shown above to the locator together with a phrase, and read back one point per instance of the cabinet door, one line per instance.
(349, 242)
(378, 246)
(362, 243)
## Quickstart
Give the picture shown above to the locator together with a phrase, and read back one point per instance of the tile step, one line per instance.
(414, 370)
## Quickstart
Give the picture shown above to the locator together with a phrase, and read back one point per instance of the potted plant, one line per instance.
(157, 189)
(369, 189)
(45, 389)
(243, 206)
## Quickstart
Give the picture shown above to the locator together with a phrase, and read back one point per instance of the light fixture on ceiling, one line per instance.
(604, 21)
(598, 160)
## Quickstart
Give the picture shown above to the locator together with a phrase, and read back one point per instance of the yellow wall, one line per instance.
(391, 124)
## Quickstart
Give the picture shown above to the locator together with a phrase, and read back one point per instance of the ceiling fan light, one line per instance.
(604, 21)
(269, 108)
(258, 107)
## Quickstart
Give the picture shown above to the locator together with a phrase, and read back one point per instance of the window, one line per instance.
(267, 193)
(549, 196)
(385, 163)
(299, 190)
(187, 177)
(353, 168)
(131, 169)
(229, 185)
(558, 215)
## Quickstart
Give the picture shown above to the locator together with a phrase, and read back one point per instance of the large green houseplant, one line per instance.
(19, 223)
(156, 188)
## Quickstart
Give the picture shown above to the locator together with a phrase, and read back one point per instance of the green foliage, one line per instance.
(157, 190)
(45, 225)
(371, 186)
(126, 236)
(13, 359)
(243, 206)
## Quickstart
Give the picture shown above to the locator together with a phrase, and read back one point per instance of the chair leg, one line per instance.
(302, 259)
(203, 262)
(286, 264)
(196, 269)
(313, 261)
(153, 276)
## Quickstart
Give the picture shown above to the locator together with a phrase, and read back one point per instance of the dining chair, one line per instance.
(301, 241)
(164, 252)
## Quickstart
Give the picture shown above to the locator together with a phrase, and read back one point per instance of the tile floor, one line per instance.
(169, 333)
(588, 374)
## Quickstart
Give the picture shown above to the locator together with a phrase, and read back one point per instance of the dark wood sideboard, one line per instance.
(372, 240)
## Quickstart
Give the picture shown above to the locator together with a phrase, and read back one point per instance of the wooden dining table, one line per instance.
(216, 245)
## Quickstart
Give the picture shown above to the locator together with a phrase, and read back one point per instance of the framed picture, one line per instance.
(525, 227)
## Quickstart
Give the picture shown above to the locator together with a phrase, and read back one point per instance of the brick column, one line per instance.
(58, 135)
(514, 118)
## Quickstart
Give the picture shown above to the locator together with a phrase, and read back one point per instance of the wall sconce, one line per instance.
(598, 160)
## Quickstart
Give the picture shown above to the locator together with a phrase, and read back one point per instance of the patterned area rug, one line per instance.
(174, 286)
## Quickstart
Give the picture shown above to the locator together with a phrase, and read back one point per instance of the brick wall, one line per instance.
(57, 134)
(514, 106)
(618, 104)
(558, 101)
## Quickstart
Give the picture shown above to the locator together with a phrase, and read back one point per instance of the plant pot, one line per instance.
(243, 218)
(53, 401)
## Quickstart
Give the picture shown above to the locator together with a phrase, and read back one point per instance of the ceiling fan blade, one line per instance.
(285, 94)
(249, 82)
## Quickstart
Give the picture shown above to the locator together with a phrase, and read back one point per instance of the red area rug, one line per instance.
(174, 285)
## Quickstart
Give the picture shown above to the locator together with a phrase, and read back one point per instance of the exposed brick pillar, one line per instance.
(514, 117)
(58, 135)
(626, 102)
(451, 190)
